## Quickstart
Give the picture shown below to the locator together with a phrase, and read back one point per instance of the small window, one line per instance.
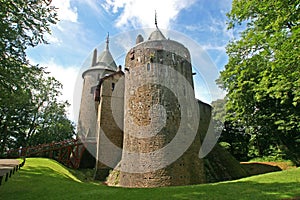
(173, 58)
(112, 86)
(148, 66)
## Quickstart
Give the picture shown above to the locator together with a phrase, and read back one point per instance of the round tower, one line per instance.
(161, 143)
(101, 65)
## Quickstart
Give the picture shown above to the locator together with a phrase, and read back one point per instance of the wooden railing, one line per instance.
(67, 152)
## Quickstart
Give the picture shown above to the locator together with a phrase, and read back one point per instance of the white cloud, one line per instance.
(68, 77)
(66, 14)
(52, 39)
(140, 13)
(65, 11)
(209, 46)
(94, 5)
(195, 27)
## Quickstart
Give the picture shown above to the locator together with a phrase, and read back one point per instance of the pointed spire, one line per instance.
(155, 19)
(157, 34)
(105, 59)
(107, 41)
(94, 60)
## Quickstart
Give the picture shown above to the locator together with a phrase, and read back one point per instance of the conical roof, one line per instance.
(105, 59)
(156, 35)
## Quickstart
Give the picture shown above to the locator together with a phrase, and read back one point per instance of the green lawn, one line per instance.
(46, 179)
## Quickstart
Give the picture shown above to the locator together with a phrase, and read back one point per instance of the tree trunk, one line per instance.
(4, 139)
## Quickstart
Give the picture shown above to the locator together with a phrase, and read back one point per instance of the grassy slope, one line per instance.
(46, 179)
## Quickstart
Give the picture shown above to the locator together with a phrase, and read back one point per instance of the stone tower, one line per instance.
(102, 65)
(161, 143)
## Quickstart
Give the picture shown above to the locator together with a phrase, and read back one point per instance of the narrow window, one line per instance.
(173, 58)
(112, 86)
(148, 66)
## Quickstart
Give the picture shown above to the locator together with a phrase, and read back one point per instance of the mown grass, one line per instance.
(46, 179)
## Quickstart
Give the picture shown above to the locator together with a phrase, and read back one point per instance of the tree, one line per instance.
(262, 76)
(29, 106)
(233, 135)
(32, 114)
(23, 24)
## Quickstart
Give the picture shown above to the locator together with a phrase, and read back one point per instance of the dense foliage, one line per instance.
(30, 112)
(262, 76)
(233, 135)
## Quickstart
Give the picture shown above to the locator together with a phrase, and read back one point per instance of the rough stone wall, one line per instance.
(165, 52)
(219, 164)
(153, 114)
(110, 124)
(87, 120)
(205, 118)
(87, 113)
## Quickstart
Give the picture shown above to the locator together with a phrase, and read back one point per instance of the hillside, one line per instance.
(46, 179)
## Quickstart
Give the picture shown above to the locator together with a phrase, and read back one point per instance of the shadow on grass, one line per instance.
(254, 168)
(46, 184)
(47, 174)
(240, 190)
(42, 182)
(84, 175)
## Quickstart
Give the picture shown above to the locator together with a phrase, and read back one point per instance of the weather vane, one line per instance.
(155, 19)
(107, 40)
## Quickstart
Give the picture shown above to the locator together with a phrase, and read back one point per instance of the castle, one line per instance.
(145, 122)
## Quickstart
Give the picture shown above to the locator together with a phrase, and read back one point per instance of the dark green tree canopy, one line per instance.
(262, 76)
(23, 24)
(30, 111)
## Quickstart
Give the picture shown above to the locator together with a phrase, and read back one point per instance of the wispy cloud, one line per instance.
(68, 76)
(94, 5)
(137, 14)
(209, 46)
(195, 27)
(69, 40)
(65, 11)
(52, 39)
(66, 14)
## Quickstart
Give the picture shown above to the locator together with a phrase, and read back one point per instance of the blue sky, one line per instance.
(83, 26)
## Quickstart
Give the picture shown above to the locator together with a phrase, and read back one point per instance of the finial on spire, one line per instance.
(107, 40)
(155, 19)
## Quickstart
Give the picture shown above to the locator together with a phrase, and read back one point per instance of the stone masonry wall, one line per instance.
(110, 124)
(87, 114)
(158, 90)
(87, 120)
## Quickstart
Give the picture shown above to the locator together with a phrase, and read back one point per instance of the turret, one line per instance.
(158, 88)
(101, 65)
